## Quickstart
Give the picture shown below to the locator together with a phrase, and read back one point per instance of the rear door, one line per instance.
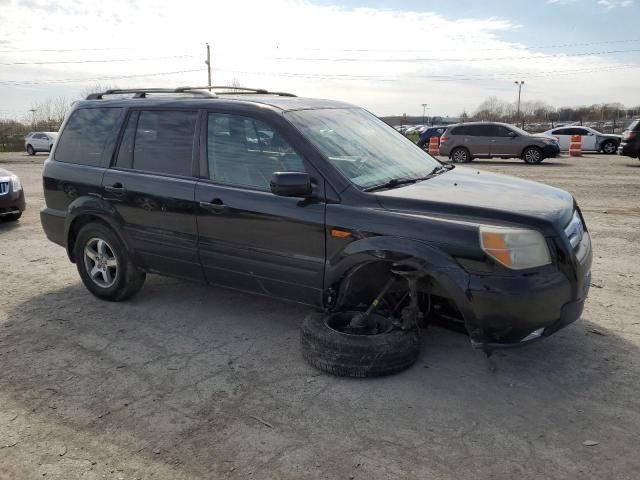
(250, 238)
(564, 137)
(478, 139)
(152, 187)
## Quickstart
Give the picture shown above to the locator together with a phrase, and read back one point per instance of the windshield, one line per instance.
(518, 130)
(364, 148)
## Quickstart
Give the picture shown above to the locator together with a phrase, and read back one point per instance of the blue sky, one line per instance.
(542, 22)
(389, 56)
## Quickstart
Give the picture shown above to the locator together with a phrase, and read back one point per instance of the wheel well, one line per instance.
(530, 146)
(74, 229)
(363, 283)
(459, 147)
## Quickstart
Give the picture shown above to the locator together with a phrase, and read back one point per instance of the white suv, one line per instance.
(39, 142)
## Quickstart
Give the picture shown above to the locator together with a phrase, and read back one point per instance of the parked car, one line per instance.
(12, 202)
(429, 132)
(413, 129)
(630, 144)
(591, 139)
(464, 142)
(39, 142)
(339, 211)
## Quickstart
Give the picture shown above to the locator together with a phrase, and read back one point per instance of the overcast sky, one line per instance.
(390, 56)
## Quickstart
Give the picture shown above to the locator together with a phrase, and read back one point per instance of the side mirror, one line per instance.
(291, 184)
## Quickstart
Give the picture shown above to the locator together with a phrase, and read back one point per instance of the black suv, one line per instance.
(630, 145)
(318, 202)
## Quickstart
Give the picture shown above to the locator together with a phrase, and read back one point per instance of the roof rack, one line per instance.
(204, 91)
(241, 90)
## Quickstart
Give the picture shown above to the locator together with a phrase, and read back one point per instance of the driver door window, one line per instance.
(245, 152)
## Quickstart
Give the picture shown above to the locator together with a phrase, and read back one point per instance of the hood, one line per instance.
(478, 197)
(5, 173)
(545, 136)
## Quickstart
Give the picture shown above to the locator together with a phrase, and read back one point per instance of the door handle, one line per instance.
(216, 205)
(116, 188)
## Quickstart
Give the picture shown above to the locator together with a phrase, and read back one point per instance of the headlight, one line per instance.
(515, 248)
(16, 186)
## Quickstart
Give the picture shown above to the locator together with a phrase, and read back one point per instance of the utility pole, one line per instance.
(208, 62)
(33, 118)
(424, 109)
(519, 83)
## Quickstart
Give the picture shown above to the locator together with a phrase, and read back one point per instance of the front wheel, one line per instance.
(328, 345)
(104, 264)
(30, 150)
(609, 147)
(532, 155)
(461, 155)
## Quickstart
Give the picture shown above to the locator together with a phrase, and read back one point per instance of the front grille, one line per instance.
(4, 188)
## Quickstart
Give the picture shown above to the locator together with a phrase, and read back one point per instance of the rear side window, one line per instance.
(85, 136)
(635, 126)
(159, 141)
(480, 130)
(462, 130)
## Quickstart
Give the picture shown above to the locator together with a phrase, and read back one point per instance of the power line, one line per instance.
(95, 79)
(512, 47)
(61, 50)
(60, 62)
(470, 59)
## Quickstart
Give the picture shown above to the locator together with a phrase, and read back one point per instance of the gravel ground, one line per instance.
(189, 381)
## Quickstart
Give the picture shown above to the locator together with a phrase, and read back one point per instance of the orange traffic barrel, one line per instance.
(575, 147)
(434, 145)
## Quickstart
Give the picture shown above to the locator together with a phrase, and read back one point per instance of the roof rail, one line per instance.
(237, 90)
(204, 91)
(142, 92)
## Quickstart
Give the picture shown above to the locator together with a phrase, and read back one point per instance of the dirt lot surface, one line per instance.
(189, 381)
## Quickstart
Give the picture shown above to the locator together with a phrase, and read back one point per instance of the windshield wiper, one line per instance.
(395, 182)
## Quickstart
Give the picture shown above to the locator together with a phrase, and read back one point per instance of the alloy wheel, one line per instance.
(100, 262)
(532, 156)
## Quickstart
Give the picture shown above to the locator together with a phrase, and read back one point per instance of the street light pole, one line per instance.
(208, 62)
(519, 83)
(424, 109)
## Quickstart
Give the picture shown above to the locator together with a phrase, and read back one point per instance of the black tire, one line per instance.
(460, 155)
(13, 217)
(532, 155)
(361, 356)
(609, 147)
(128, 277)
(30, 150)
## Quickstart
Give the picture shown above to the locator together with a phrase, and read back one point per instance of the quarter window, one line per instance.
(85, 136)
(159, 141)
(246, 152)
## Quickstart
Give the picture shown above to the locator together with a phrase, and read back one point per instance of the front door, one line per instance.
(152, 187)
(587, 138)
(250, 238)
(504, 142)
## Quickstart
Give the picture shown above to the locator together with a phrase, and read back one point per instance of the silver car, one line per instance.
(464, 142)
(39, 142)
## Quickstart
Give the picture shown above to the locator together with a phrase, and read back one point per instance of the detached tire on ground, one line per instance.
(349, 355)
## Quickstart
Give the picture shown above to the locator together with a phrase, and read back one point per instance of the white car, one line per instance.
(39, 142)
(591, 139)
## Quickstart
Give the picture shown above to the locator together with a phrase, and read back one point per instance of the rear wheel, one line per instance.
(30, 150)
(104, 264)
(329, 345)
(609, 147)
(532, 155)
(461, 155)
